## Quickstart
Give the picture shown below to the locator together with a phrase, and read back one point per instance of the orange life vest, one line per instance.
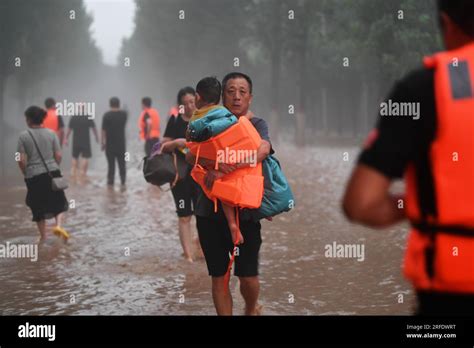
(440, 252)
(173, 111)
(241, 136)
(242, 188)
(51, 120)
(154, 131)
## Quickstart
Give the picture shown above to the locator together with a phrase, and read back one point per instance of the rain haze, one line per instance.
(320, 70)
(109, 28)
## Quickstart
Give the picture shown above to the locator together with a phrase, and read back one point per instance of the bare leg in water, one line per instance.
(83, 168)
(59, 219)
(74, 168)
(42, 230)
(229, 213)
(221, 296)
(185, 236)
(250, 288)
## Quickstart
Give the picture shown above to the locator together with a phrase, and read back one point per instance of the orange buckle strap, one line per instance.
(232, 258)
(197, 155)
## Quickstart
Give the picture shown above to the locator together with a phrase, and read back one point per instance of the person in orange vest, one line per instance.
(149, 125)
(53, 121)
(173, 111)
(433, 149)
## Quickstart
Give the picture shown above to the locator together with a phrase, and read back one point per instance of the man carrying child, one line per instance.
(213, 229)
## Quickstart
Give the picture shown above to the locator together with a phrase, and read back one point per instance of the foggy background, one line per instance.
(295, 53)
(294, 50)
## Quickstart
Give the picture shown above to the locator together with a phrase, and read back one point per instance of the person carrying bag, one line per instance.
(57, 183)
(39, 157)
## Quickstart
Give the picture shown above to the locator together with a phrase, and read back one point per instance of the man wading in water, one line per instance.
(213, 230)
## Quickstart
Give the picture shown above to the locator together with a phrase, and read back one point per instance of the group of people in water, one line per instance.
(219, 226)
(434, 154)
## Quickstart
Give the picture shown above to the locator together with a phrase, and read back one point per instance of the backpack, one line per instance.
(277, 194)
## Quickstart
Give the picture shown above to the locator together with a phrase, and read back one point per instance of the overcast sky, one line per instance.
(113, 21)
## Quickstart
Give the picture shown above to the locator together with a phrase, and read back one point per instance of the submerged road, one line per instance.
(124, 257)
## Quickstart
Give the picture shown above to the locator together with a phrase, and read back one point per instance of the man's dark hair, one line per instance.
(114, 102)
(49, 103)
(461, 12)
(237, 75)
(183, 91)
(35, 114)
(209, 88)
(147, 102)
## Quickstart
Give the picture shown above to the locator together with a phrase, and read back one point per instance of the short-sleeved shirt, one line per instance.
(113, 123)
(48, 144)
(80, 126)
(204, 206)
(176, 129)
(401, 139)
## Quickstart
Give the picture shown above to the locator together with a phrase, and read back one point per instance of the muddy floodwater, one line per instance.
(124, 256)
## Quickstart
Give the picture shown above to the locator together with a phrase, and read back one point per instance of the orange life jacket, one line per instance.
(440, 252)
(51, 120)
(241, 136)
(243, 187)
(173, 111)
(154, 131)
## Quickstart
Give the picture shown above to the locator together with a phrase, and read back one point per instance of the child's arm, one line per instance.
(204, 162)
(211, 176)
(170, 146)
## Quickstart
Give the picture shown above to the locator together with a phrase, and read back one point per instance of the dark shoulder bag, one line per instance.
(164, 168)
(57, 184)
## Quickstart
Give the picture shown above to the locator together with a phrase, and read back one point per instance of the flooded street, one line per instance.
(124, 257)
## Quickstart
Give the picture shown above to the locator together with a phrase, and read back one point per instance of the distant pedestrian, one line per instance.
(149, 125)
(114, 142)
(80, 125)
(52, 120)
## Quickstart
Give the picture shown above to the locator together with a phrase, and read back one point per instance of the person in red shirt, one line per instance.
(149, 125)
(52, 120)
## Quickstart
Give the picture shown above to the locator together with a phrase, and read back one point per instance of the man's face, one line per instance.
(237, 97)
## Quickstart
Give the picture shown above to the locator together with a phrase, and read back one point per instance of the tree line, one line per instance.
(319, 67)
(45, 50)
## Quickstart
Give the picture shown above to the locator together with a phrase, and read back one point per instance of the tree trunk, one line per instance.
(275, 73)
(324, 110)
(3, 134)
(365, 109)
(301, 110)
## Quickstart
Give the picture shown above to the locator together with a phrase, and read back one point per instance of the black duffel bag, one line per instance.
(164, 168)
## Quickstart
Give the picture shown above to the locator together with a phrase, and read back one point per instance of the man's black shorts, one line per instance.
(184, 194)
(216, 243)
(85, 151)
